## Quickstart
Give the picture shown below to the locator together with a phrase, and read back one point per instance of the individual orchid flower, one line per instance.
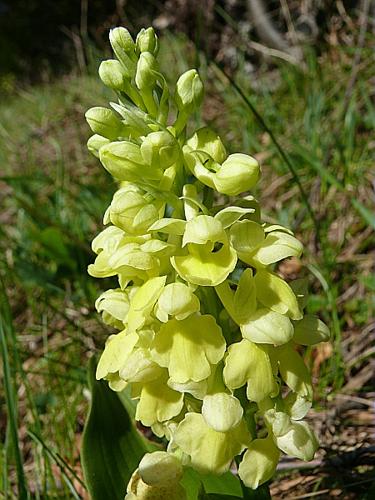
(189, 347)
(249, 363)
(260, 246)
(209, 257)
(114, 306)
(157, 401)
(210, 450)
(204, 156)
(291, 435)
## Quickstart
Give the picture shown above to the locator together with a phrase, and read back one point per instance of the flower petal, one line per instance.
(189, 347)
(229, 215)
(143, 301)
(221, 411)
(245, 237)
(206, 268)
(294, 371)
(139, 367)
(169, 226)
(115, 354)
(268, 327)
(275, 247)
(203, 229)
(300, 441)
(248, 362)
(245, 297)
(158, 402)
(259, 462)
(176, 300)
(274, 293)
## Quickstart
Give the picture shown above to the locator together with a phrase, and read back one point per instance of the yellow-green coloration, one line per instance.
(207, 325)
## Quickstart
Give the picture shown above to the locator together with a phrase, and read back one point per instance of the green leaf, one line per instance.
(227, 484)
(111, 445)
(261, 493)
(202, 486)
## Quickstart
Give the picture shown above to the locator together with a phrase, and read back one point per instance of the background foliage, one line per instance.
(321, 112)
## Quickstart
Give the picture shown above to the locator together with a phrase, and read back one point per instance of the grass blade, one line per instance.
(12, 412)
(63, 466)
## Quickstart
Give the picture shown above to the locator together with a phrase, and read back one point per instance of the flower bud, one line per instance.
(124, 48)
(237, 174)
(189, 92)
(206, 140)
(137, 489)
(95, 142)
(124, 161)
(160, 468)
(112, 74)
(134, 211)
(145, 77)
(104, 122)
(147, 41)
(160, 149)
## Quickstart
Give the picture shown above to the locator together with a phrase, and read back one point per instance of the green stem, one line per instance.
(134, 95)
(180, 123)
(148, 99)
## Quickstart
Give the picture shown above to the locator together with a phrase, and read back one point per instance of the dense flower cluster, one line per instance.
(208, 329)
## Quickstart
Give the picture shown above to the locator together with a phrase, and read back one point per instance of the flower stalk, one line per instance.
(208, 329)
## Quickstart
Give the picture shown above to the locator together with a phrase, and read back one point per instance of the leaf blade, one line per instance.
(111, 445)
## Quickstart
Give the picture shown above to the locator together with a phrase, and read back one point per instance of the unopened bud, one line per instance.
(103, 121)
(124, 161)
(133, 211)
(112, 74)
(124, 48)
(95, 142)
(189, 91)
(145, 77)
(238, 173)
(160, 468)
(147, 41)
(160, 149)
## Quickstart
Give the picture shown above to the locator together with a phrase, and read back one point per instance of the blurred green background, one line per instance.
(308, 68)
